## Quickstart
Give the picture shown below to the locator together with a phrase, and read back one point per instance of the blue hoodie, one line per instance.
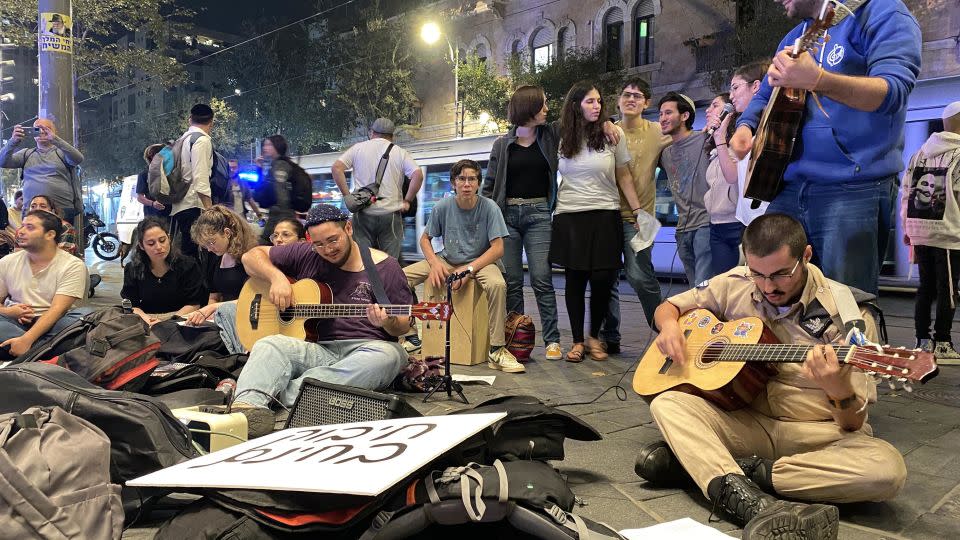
(881, 39)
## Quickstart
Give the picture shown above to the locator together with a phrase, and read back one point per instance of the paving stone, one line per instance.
(645, 491)
(683, 505)
(606, 504)
(920, 493)
(934, 461)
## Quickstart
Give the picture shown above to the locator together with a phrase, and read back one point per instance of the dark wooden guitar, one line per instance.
(729, 362)
(257, 317)
(779, 126)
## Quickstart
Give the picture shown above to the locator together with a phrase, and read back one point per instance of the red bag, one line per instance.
(520, 335)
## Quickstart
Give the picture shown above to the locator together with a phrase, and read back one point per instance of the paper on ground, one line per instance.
(684, 528)
(488, 379)
(360, 458)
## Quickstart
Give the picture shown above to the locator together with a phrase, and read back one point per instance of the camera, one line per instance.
(37, 130)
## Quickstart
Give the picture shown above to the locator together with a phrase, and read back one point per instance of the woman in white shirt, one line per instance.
(722, 196)
(586, 239)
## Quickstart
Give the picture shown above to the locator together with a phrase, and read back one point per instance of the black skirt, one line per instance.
(591, 240)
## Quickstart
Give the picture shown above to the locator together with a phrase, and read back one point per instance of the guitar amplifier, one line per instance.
(320, 403)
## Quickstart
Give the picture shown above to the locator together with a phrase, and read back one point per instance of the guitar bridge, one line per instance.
(255, 312)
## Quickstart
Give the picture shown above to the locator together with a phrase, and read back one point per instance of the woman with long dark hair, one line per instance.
(587, 235)
(721, 197)
(521, 179)
(160, 282)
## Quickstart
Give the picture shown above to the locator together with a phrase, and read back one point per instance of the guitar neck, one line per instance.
(332, 311)
(764, 352)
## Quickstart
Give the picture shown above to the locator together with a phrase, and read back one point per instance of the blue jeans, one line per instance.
(847, 224)
(643, 279)
(725, 246)
(529, 228)
(693, 247)
(11, 328)
(226, 319)
(278, 365)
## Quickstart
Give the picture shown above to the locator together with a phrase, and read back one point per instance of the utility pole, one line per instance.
(55, 46)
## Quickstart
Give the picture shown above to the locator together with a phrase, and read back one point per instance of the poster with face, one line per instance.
(56, 32)
(928, 195)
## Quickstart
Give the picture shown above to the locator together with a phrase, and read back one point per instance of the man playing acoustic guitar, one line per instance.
(361, 352)
(805, 436)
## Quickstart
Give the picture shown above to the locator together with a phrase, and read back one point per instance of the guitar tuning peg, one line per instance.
(891, 384)
(908, 387)
(901, 347)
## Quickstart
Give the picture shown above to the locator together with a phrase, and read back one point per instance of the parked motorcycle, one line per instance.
(105, 244)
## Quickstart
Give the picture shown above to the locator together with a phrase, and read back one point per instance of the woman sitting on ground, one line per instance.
(160, 282)
(288, 231)
(227, 237)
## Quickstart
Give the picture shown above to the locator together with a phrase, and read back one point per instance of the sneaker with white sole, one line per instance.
(945, 354)
(554, 352)
(412, 344)
(504, 360)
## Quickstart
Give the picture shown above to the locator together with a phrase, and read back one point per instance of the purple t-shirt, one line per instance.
(300, 261)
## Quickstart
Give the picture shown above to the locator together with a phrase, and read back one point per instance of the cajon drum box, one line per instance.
(469, 336)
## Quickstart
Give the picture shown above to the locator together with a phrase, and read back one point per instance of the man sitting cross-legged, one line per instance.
(805, 437)
(472, 229)
(40, 283)
(361, 352)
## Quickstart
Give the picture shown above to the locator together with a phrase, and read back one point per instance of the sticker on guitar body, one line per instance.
(743, 329)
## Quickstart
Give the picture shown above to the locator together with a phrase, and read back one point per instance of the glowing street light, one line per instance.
(430, 33)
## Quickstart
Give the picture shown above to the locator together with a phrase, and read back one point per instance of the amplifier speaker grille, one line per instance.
(320, 403)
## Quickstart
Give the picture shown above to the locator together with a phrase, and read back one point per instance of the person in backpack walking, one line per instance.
(47, 169)
(196, 163)
(380, 224)
(150, 206)
(40, 284)
(275, 190)
(931, 223)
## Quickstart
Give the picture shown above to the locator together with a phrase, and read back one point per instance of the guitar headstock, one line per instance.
(816, 31)
(896, 365)
(431, 311)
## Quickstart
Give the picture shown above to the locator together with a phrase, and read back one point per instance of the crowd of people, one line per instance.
(573, 193)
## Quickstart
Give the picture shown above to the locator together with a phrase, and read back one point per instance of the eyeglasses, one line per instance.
(779, 277)
(466, 179)
(633, 95)
(284, 235)
(331, 244)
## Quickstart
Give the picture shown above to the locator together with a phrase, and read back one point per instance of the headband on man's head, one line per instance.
(323, 213)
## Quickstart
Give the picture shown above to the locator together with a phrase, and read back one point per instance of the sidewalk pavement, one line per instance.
(923, 425)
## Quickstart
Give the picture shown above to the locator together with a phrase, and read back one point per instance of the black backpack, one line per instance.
(108, 347)
(220, 180)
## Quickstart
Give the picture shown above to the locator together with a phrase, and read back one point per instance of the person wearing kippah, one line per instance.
(362, 352)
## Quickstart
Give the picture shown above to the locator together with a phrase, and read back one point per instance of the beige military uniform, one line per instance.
(792, 421)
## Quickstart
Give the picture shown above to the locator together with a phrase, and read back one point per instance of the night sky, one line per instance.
(228, 15)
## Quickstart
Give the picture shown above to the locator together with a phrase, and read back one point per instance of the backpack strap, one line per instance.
(382, 166)
(32, 505)
(378, 291)
(26, 156)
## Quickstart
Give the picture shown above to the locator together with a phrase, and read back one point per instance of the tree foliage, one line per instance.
(483, 90)
(99, 63)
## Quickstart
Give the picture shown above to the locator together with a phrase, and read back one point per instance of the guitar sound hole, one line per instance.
(711, 353)
(286, 315)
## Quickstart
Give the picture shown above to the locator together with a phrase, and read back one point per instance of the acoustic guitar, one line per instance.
(780, 123)
(729, 363)
(258, 317)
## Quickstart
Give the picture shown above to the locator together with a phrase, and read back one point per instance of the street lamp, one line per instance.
(431, 33)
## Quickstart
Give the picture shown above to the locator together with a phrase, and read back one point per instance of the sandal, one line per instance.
(575, 354)
(596, 350)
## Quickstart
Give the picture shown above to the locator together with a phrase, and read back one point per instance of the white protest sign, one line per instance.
(361, 458)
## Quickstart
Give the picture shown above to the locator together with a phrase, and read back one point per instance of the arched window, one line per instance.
(613, 38)
(562, 45)
(643, 33)
(515, 50)
(542, 48)
(481, 52)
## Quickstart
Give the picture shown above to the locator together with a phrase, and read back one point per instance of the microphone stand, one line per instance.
(447, 382)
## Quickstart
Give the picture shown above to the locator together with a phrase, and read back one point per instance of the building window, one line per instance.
(562, 44)
(132, 106)
(515, 50)
(481, 52)
(613, 38)
(543, 47)
(643, 38)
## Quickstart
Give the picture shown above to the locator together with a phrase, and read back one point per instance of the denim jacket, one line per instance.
(495, 183)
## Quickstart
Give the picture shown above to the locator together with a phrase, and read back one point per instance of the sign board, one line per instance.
(361, 458)
(130, 211)
(56, 33)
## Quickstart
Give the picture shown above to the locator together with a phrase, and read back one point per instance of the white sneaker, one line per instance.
(945, 354)
(504, 360)
(554, 352)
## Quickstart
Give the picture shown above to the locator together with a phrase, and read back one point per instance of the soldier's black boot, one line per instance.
(657, 464)
(765, 517)
(758, 470)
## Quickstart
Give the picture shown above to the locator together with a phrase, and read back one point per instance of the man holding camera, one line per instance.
(49, 169)
(377, 209)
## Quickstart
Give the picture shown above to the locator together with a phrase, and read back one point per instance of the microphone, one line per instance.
(455, 276)
(727, 110)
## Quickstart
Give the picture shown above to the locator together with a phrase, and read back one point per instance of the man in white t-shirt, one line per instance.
(380, 225)
(39, 285)
(196, 164)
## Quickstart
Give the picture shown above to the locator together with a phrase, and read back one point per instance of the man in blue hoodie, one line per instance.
(840, 183)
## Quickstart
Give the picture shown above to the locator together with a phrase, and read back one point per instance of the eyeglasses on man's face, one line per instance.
(779, 277)
(463, 179)
(633, 95)
(331, 243)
